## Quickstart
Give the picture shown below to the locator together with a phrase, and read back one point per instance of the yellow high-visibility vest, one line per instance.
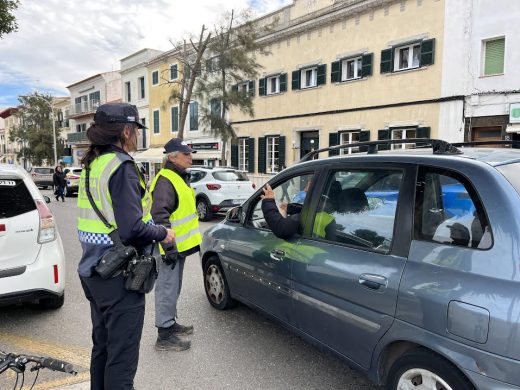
(184, 221)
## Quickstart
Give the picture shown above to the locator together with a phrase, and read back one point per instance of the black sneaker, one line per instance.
(172, 343)
(182, 330)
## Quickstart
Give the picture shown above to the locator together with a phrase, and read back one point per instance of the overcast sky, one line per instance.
(61, 42)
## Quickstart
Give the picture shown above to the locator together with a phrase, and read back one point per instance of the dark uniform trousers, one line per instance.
(120, 314)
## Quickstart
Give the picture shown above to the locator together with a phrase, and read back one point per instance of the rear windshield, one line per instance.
(15, 198)
(230, 176)
(510, 171)
(44, 171)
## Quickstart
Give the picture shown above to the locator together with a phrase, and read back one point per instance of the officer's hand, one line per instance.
(268, 192)
(170, 237)
(171, 259)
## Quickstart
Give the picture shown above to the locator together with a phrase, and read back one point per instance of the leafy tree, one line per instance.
(189, 55)
(230, 60)
(7, 20)
(35, 134)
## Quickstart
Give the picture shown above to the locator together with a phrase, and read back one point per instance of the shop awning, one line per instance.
(513, 128)
(151, 154)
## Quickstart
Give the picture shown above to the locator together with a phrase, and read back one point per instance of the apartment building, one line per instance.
(163, 72)
(9, 149)
(86, 96)
(342, 72)
(481, 62)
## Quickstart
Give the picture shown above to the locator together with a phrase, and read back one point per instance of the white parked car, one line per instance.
(218, 189)
(32, 262)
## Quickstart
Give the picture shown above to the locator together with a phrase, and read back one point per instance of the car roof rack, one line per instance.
(479, 143)
(439, 146)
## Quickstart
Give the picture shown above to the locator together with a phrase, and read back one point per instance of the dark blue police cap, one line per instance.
(177, 145)
(117, 113)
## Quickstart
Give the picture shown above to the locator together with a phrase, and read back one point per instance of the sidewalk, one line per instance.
(77, 386)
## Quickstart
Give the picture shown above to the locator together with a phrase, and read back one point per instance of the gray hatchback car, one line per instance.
(416, 278)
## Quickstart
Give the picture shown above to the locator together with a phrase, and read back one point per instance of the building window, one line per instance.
(351, 69)
(407, 57)
(173, 72)
(349, 137)
(272, 150)
(175, 119)
(81, 127)
(155, 77)
(273, 85)
(243, 154)
(494, 56)
(156, 123)
(213, 64)
(94, 100)
(128, 92)
(194, 116)
(309, 77)
(246, 87)
(140, 82)
(404, 134)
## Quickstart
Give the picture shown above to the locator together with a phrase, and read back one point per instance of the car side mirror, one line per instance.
(47, 199)
(234, 215)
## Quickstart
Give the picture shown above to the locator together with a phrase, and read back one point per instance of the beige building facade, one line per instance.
(9, 149)
(341, 72)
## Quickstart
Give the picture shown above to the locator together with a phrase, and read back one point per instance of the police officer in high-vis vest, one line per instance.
(173, 206)
(120, 194)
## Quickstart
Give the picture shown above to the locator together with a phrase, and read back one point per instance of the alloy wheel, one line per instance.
(215, 285)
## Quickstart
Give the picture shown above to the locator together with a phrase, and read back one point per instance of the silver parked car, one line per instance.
(415, 280)
(42, 176)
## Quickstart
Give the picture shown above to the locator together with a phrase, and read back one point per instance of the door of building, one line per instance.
(489, 133)
(310, 140)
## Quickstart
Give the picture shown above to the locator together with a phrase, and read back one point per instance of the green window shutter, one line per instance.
(335, 72)
(387, 60)
(251, 150)
(283, 82)
(186, 72)
(423, 132)
(173, 72)
(155, 77)
(281, 153)
(251, 88)
(234, 155)
(383, 134)
(321, 76)
(364, 136)
(234, 88)
(494, 58)
(175, 119)
(208, 66)
(333, 141)
(194, 116)
(156, 129)
(427, 52)
(261, 87)
(296, 79)
(261, 155)
(366, 65)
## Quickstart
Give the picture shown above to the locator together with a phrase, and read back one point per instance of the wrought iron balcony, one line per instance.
(77, 137)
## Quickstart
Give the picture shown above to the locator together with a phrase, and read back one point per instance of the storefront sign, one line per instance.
(205, 146)
(514, 113)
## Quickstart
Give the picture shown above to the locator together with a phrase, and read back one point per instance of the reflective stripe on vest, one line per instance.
(321, 222)
(184, 220)
(101, 170)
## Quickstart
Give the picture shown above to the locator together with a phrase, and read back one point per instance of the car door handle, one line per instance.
(277, 254)
(374, 282)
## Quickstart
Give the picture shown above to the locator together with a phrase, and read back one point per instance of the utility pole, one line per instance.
(54, 136)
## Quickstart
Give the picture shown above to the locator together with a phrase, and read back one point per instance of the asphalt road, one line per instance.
(235, 349)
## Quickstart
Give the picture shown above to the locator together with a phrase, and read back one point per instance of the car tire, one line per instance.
(52, 303)
(204, 210)
(424, 368)
(216, 286)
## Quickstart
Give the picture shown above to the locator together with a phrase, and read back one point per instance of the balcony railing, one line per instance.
(85, 107)
(77, 137)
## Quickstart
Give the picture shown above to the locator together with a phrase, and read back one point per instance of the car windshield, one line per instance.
(230, 176)
(510, 171)
(15, 198)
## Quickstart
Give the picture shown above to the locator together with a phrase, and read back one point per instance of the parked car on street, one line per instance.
(32, 262)
(42, 176)
(418, 283)
(218, 189)
(72, 175)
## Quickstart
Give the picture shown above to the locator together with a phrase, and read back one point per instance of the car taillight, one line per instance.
(212, 186)
(56, 274)
(254, 186)
(73, 177)
(47, 231)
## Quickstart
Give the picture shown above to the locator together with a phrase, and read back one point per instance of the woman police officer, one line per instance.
(120, 194)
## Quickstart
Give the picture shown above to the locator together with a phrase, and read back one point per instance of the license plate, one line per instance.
(9, 183)
(237, 201)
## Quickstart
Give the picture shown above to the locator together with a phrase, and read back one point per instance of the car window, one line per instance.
(448, 211)
(77, 171)
(350, 213)
(43, 171)
(291, 191)
(196, 176)
(15, 198)
(230, 176)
